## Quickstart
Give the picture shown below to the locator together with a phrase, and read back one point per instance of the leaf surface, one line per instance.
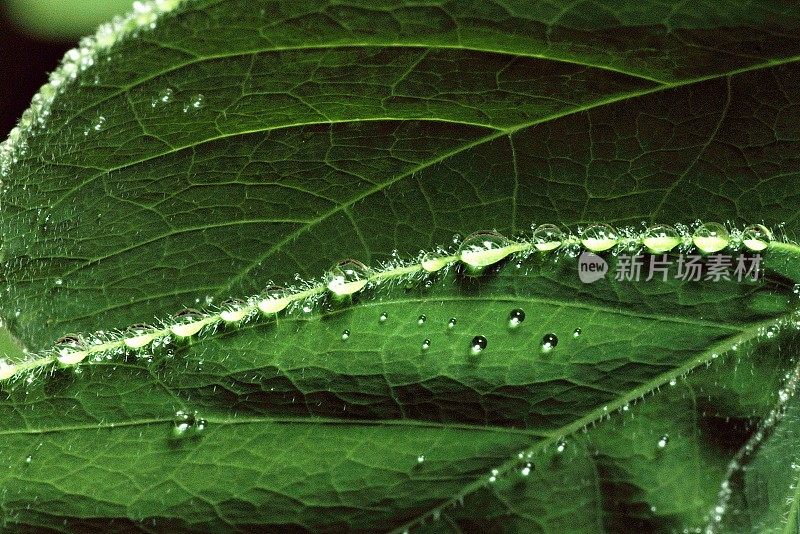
(231, 146)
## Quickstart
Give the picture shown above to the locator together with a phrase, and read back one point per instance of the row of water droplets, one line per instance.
(475, 253)
(144, 16)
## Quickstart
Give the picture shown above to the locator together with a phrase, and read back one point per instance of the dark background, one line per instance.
(25, 62)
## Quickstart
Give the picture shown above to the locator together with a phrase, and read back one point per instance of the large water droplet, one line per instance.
(348, 277)
(273, 300)
(138, 336)
(7, 370)
(599, 237)
(482, 249)
(711, 237)
(756, 237)
(661, 238)
(188, 322)
(70, 349)
(233, 311)
(182, 424)
(549, 342)
(432, 262)
(516, 317)
(479, 344)
(547, 237)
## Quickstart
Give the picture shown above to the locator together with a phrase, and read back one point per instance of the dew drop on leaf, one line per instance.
(479, 344)
(662, 441)
(383, 317)
(661, 238)
(549, 342)
(577, 333)
(547, 237)
(347, 277)
(451, 323)
(426, 344)
(482, 249)
(432, 262)
(421, 320)
(560, 446)
(516, 317)
(345, 335)
(756, 237)
(599, 237)
(711, 237)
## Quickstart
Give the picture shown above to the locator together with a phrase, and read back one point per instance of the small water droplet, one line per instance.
(661, 238)
(547, 237)
(577, 333)
(421, 320)
(28, 459)
(560, 446)
(426, 344)
(662, 441)
(549, 342)
(182, 424)
(420, 458)
(599, 237)
(348, 277)
(164, 96)
(345, 335)
(711, 237)
(451, 323)
(525, 471)
(432, 262)
(273, 300)
(383, 317)
(516, 317)
(756, 237)
(59, 281)
(479, 344)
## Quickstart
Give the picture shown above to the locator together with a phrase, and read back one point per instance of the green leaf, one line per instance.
(186, 156)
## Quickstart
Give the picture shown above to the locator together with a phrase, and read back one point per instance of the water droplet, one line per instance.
(516, 317)
(479, 344)
(426, 344)
(547, 237)
(99, 123)
(164, 96)
(599, 237)
(432, 262)
(451, 323)
(345, 335)
(384, 316)
(70, 349)
(560, 446)
(182, 424)
(348, 277)
(196, 102)
(138, 336)
(421, 320)
(59, 281)
(7, 370)
(711, 237)
(525, 471)
(661, 238)
(188, 322)
(482, 249)
(549, 342)
(756, 237)
(577, 333)
(273, 300)
(662, 441)
(420, 458)
(28, 459)
(233, 311)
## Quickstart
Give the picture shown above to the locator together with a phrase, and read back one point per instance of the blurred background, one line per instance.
(34, 34)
